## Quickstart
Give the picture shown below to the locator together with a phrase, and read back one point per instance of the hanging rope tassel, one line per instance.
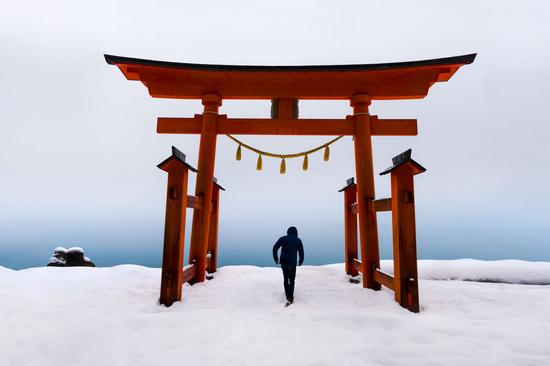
(304, 165)
(259, 163)
(283, 166)
(327, 153)
(238, 157)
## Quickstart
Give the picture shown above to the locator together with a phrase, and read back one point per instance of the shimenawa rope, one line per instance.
(283, 156)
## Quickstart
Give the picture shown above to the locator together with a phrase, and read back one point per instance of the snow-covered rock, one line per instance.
(59, 258)
(110, 316)
(69, 258)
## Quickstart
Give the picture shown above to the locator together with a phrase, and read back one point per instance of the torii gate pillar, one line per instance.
(203, 189)
(364, 170)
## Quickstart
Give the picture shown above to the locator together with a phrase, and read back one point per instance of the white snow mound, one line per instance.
(503, 271)
(110, 316)
(75, 250)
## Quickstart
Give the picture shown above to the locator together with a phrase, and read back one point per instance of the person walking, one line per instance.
(291, 245)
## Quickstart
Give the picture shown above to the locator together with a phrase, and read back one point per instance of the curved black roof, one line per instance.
(461, 60)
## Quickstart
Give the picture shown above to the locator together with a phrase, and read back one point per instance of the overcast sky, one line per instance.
(78, 148)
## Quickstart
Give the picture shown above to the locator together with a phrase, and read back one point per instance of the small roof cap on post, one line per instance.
(177, 156)
(349, 182)
(403, 158)
(217, 184)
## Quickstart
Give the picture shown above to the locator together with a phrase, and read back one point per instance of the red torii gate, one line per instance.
(360, 84)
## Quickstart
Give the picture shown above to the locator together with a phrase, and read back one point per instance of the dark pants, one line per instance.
(289, 274)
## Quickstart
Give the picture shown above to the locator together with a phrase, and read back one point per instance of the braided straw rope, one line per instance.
(284, 156)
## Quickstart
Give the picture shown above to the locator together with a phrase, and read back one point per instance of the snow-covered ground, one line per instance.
(110, 316)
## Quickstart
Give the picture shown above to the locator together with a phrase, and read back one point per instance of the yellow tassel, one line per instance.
(259, 163)
(304, 165)
(283, 166)
(327, 153)
(238, 157)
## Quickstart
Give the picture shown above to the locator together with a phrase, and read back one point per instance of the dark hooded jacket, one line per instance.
(291, 245)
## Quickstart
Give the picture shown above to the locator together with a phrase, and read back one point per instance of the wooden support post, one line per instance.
(404, 238)
(368, 229)
(213, 233)
(174, 227)
(203, 189)
(350, 226)
(404, 230)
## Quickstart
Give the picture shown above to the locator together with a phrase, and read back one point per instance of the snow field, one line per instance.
(110, 316)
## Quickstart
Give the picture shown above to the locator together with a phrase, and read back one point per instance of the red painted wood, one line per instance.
(213, 232)
(379, 276)
(404, 237)
(189, 272)
(384, 279)
(404, 81)
(174, 233)
(285, 107)
(194, 202)
(368, 228)
(277, 126)
(350, 229)
(203, 189)
(357, 265)
(393, 127)
(383, 204)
